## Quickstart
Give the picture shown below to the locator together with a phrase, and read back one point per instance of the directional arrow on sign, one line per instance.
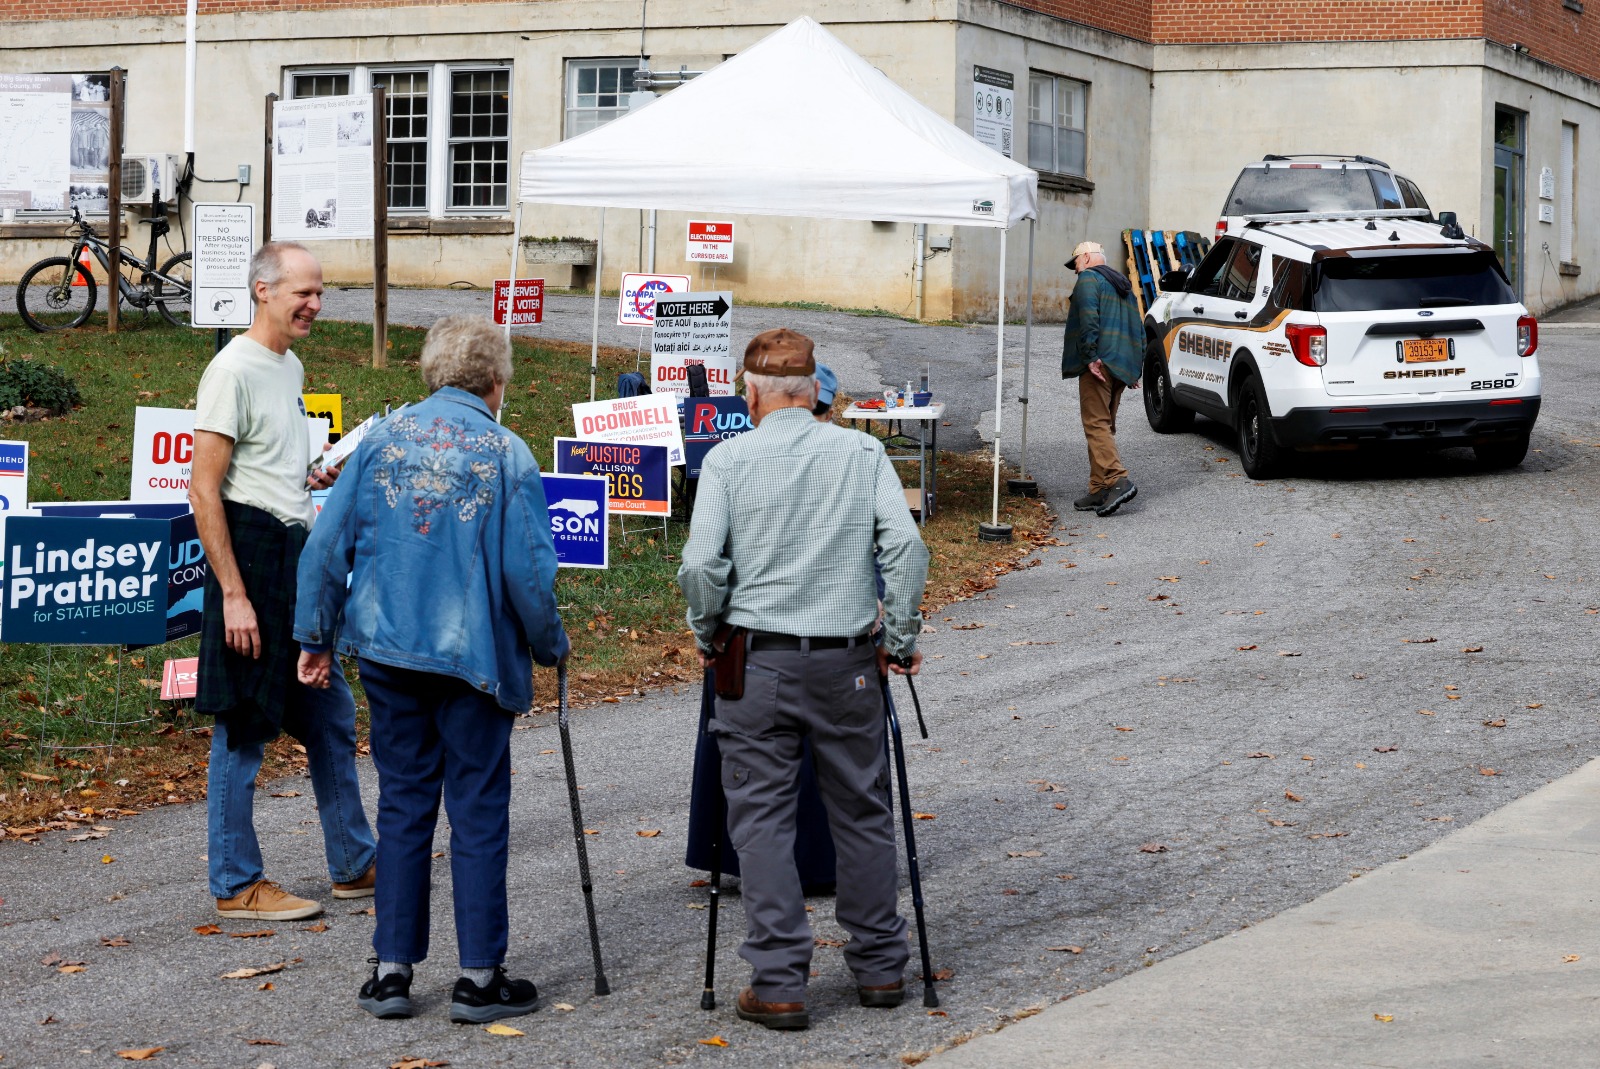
(714, 309)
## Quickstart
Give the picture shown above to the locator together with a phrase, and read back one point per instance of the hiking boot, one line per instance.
(386, 998)
(783, 1016)
(500, 997)
(360, 887)
(1120, 493)
(266, 901)
(1090, 501)
(883, 996)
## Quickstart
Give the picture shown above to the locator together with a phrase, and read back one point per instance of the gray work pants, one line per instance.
(834, 697)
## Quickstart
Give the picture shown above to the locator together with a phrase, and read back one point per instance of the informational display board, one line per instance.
(709, 242)
(992, 93)
(639, 478)
(224, 242)
(707, 421)
(13, 476)
(636, 307)
(42, 139)
(651, 419)
(163, 454)
(529, 307)
(85, 581)
(578, 520)
(322, 171)
(692, 328)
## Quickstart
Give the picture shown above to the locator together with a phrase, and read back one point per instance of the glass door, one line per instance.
(1508, 185)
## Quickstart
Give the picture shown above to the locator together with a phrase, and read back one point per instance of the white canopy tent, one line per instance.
(797, 125)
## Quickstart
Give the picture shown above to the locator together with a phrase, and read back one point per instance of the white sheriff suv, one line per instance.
(1332, 331)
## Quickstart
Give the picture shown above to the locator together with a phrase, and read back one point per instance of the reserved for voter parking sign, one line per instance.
(637, 305)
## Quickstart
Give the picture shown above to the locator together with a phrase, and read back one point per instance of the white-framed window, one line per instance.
(597, 92)
(1057, 124)
(448, 127)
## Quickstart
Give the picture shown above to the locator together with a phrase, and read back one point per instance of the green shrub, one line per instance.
(27, 382)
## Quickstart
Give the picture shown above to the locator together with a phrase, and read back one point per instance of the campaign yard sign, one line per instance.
(180, 679)
(651, 419)
(707, 421)
(578, 521)
(639, 478)
(163, 454)
(328, 406)
(85, 581)
(692, 328)
(636, 306)
(529, 307)
(13, 476)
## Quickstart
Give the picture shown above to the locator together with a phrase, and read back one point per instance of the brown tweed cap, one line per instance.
(780, 352)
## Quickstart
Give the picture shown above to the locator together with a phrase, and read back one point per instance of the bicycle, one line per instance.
(59, 292)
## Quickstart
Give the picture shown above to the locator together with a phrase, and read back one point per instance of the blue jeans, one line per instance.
(330, 742)
(430, 734)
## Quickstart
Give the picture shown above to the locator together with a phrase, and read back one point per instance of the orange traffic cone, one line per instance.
(88, 267)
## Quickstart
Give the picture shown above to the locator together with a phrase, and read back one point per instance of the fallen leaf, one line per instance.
(1384, 1017)
(1452, 697)
(699, 883)
(370, 911)
(106, 859)
(1258, 545)
(937, 1013)
(1281, 823)
(70, 968)
(1293, 797)
(502, 1030)
(1025, 853)
(1259, 753)
(591, 831)
(143, 1054)
(714, 1041)
(1011, 891)
(246, 974)
(564, 1007)
(1471, 649)
(262, 1043)
(649, 833)
(1487, 772)
(1246, 649)
(408, 1062)
(944, 974)
(1289, 653)
(543, 752)
(1065, 876)
(1385, 749)
(262, 934)
(37, 778)
(1121, 728)
(285, 794)
(1167, 578)
(1441, 820)
(1547, 575)
(1061, 805)
(1426, 712)
(1067, 949)
(1494, 723)
(266, 986)
(1534, 705)
(1568, 959)
(320, 926)
(1153, 848)
(924, 816)
(114, 941)
(208, 929)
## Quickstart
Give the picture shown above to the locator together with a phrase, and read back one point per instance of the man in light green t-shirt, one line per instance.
(252, 505)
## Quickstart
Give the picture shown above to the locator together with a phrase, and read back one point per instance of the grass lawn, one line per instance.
(69, 752)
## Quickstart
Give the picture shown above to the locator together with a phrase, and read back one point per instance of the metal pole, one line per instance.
(516, 246)
(994, 530)
(189, 18)
(119, 104)
(380, 231)
(599, 265)
(651, 268)
(1025, 485)
(917, 269)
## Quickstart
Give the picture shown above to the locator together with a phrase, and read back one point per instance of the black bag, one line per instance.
(696, 374)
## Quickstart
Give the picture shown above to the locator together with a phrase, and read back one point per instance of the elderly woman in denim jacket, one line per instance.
(432, 564)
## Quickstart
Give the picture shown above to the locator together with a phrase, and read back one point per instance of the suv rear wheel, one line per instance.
(1259, 452)
(1160, 406)
(1495, 455)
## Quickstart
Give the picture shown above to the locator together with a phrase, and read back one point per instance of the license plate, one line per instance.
(1425, 350)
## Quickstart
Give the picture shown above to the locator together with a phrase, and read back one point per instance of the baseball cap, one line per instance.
(827, 384)
(1082, 248)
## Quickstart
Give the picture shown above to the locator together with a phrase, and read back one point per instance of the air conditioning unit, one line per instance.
(145, 176)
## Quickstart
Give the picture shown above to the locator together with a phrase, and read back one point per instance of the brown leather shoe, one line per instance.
(266, 901)
(362, 886)
(883, 996)
(784, 1016)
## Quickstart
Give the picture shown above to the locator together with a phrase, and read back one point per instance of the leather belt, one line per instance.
(771, 640)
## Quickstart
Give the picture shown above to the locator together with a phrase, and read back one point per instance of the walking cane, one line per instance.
(708, 994)
(601, 987)
(930, 997)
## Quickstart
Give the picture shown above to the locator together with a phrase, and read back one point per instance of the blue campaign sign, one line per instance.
(707, 421)
(577, 505)
(639, 477)
(144, 510)
(85, 581)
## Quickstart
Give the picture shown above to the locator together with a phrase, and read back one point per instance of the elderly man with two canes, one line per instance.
(778, 576)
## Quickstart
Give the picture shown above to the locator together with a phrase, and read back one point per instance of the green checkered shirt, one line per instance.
(785, 524)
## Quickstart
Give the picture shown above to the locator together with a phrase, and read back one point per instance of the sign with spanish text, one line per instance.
(578, 520)
(95, 582)
(707, 421)
(13, 476)
(224, 242)
(528, 309)
(640, 480)
(692, 328)
(710, 242)
(163, 454)
(649, 419)
(180, 679)
(636, 306)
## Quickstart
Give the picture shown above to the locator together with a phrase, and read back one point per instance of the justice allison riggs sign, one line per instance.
(85, 581)
(638, 476)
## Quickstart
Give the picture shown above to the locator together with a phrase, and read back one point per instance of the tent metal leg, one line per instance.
(599, 264)
(516, 247)
(1025, 485)
(994, 530)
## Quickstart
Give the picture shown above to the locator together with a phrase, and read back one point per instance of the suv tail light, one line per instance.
(1222, 229)
(1527, 335)
(1309, 344)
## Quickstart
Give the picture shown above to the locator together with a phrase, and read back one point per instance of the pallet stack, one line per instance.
(1152, 253)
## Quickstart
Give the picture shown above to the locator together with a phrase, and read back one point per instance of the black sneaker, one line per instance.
(1090, 502)
(1120, 493)
(501, 997)
(387, 998)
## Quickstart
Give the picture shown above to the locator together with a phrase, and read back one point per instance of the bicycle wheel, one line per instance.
(49, 297)
(174, 288)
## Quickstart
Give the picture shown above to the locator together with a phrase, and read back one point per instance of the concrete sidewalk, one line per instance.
(1478, 950)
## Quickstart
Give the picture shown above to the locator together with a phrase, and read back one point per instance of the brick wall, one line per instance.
(1550, 31)
(1130, 18)
(1208, 21)
(31, 10)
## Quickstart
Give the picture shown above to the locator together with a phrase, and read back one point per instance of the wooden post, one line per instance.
(380, 231)
(114, 203)
(266, 177)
